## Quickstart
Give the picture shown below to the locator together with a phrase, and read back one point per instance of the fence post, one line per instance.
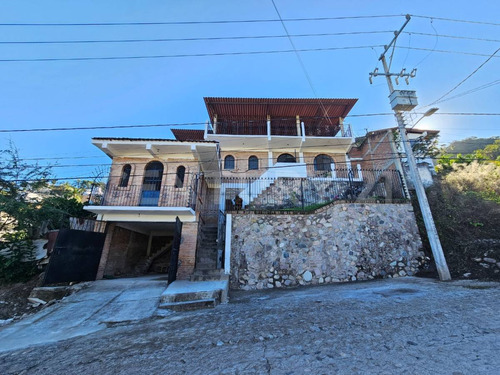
(302, 192)
(351, 185)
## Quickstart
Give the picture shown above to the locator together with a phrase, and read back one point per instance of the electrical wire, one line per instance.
(141, 57)
(203, 123)
(200, 22)
(465, 79)
(193, 39)
(456, 20)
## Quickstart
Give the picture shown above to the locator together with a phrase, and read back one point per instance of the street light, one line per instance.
(430, 112)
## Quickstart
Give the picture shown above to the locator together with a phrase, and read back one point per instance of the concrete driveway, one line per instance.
(103, 303)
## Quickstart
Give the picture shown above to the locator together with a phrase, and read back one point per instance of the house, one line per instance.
(272, 193)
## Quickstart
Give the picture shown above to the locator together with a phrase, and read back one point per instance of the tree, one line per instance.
(19, 184)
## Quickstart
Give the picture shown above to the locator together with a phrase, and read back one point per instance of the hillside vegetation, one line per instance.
(465, 203)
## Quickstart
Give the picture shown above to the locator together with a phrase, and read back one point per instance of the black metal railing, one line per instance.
(140, 195)
(221, 239)
(304, 194)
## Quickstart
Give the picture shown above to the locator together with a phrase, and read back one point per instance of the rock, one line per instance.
(36, 301)
(393, 264)
(288, 282)
(489, 260)
(307, 276)
(220, 343)
(402, 273)
(484, 265)
(468, 274)
(278, 284)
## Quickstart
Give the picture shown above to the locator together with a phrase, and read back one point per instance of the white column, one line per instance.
(270, 159)
(301, 157)
(268, 127)
(215, 124)
(297, 122)
(347, 162)
(227, 249)
(341, 123)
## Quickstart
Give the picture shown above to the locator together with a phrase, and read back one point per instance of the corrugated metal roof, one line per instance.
(188, 134)
(278, 107)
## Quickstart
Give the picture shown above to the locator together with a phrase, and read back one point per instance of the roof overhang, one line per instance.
(328, 108)
(256, 143)
(143, 214)
(205, 152)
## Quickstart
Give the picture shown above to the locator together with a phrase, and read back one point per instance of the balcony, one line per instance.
(145, 203)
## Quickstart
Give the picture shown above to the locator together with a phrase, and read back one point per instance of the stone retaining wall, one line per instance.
(343, 242)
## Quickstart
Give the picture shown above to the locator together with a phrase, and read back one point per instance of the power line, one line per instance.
(482, 87)
(446, 51)
(465, 79)
(242, 21)
(203, 123)
(183, 55)
(455, 20)
(199, 22)
(194, 39)
(240, 172)
(451, 36)
(100, 127)
(143, 57)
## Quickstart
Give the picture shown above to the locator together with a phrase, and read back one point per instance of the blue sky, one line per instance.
(59, 94)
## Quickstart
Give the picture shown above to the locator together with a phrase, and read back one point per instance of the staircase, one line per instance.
(206, 256)
(145, 264)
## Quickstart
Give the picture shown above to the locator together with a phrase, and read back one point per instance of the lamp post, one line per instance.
(429, 112)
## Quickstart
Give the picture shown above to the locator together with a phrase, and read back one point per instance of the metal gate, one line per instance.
(174, 258)
(75, 257)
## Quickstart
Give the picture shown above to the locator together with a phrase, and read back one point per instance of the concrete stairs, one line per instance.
(184, 295)
(206, 255)
(144, 265)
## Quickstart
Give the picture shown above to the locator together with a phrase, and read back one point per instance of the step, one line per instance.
(189, 305)
(191, 296)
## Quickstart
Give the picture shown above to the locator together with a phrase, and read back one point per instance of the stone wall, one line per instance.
(342, 242)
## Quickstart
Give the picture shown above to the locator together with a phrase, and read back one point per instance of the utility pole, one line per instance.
(401, 101)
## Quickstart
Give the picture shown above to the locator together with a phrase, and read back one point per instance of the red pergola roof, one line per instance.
(278, 108)
(188, 134)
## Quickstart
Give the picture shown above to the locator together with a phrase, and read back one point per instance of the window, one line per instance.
(253, 162)
(125, 175)
(286, 158)
(229, 162)
(323, 162)
(179, 176)
(153, 174)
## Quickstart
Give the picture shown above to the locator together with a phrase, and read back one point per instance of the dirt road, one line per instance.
(398, 326)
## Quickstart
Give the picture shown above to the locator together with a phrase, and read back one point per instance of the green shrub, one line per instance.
(17, 258)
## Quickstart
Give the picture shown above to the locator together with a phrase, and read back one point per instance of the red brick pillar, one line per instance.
(187, 250)
(105, 251)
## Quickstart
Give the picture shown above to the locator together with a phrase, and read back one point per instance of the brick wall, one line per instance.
(122, 251)
(187, 250)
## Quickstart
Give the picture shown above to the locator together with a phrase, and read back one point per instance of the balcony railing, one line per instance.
(310, 127)
(138, 195)
(304, 194)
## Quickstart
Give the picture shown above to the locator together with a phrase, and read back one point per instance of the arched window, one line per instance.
(323, 162)
(125, 175)
(179, 176)
(253, 162)
(229, 162)
(286, 158)
(151, 184)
